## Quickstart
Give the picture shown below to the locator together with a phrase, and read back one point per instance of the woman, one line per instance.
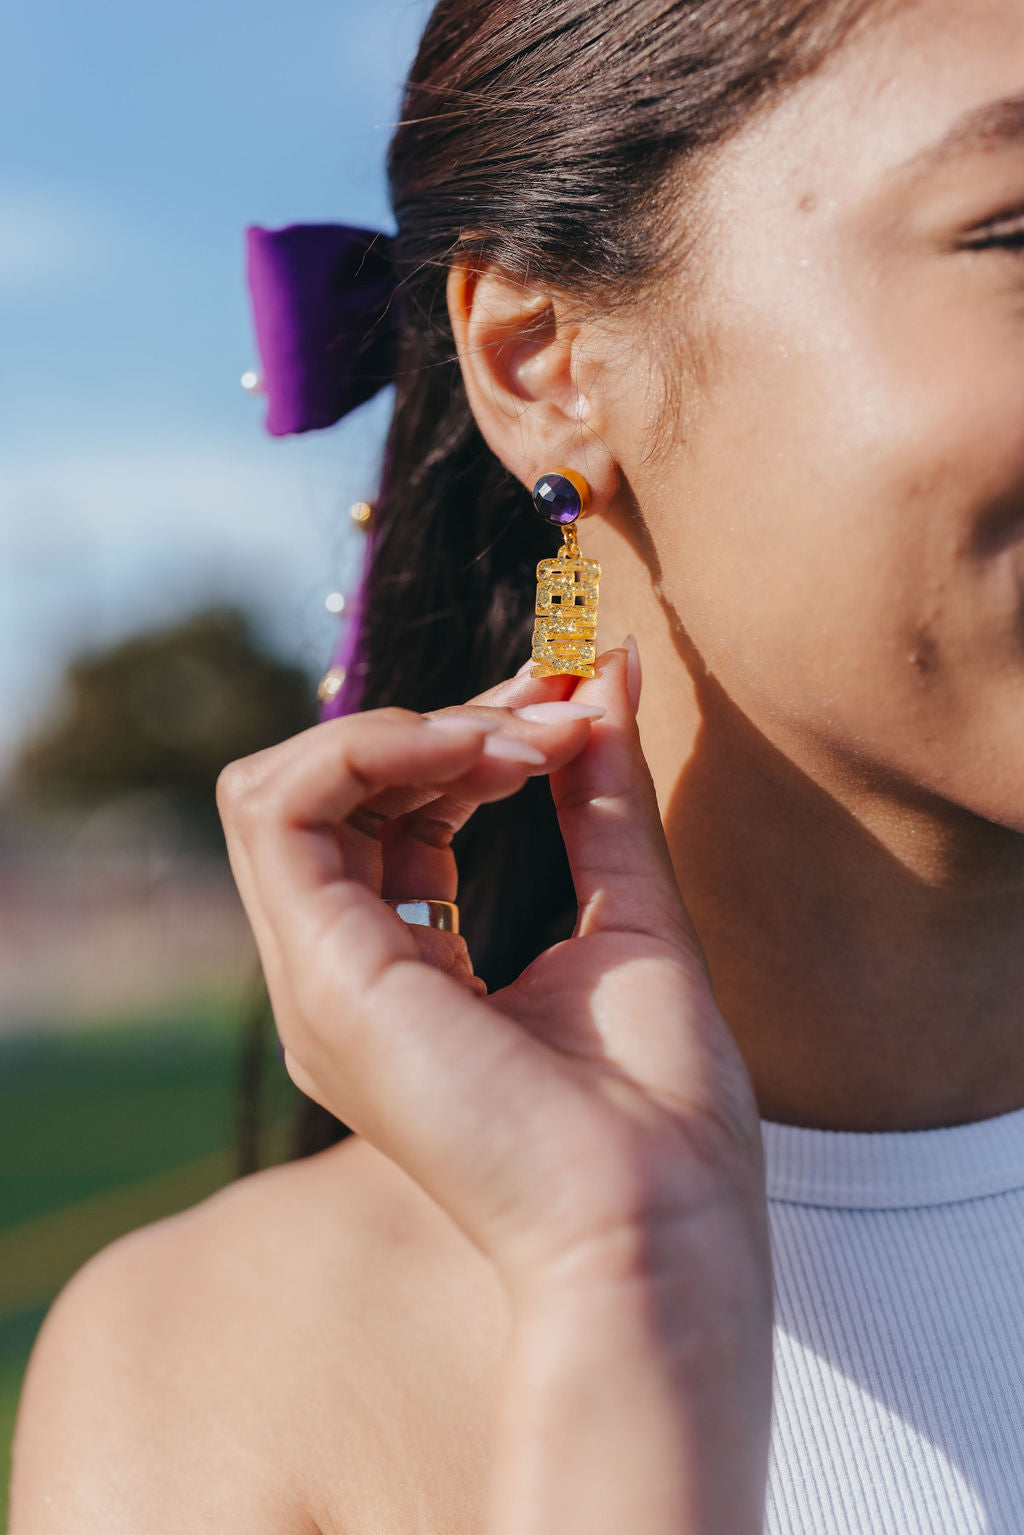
(754, 269)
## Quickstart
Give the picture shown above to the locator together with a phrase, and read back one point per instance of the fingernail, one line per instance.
(559, 709)
(462, 722)
(511, 750)
(527, 666)
(634, 674)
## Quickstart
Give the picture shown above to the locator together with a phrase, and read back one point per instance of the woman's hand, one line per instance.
(591, 1127)
(566, 1114)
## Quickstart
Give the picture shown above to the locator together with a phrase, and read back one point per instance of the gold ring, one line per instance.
(439, 914)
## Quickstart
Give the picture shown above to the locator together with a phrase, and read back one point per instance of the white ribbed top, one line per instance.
(899, 1330)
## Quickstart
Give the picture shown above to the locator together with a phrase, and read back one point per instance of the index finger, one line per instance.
(333, 772)
(403, 799)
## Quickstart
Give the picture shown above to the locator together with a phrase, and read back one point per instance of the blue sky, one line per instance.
(136, 480)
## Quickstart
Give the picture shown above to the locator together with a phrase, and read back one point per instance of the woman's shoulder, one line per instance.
(231, 1367)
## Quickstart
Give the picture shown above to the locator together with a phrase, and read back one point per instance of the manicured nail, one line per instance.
(510, 750)
(526, 667)
(560, 709)
(634, 675)
(463, 722)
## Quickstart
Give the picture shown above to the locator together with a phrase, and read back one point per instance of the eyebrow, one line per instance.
(995, 125)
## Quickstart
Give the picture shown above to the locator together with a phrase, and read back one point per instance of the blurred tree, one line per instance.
(164, 709)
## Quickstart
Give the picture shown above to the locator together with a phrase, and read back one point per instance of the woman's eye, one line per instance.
(1004, 236)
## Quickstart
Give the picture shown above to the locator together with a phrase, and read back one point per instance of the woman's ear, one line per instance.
(529, 376)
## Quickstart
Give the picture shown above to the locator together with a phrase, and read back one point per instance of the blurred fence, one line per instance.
(113, 910)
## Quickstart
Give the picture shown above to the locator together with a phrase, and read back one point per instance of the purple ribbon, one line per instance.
(323, 303)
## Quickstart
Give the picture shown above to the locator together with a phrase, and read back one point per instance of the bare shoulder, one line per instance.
(269, 1360)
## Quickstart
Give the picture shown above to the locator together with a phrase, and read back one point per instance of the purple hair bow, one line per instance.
(323, 302)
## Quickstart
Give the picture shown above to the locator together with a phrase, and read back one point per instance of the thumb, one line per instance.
(609, 817)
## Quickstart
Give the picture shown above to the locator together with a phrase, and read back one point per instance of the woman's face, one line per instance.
(840, 523)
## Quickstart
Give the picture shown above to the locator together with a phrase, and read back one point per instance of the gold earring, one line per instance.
(565, 621)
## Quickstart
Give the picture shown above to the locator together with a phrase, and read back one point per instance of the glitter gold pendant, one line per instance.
(565, 621)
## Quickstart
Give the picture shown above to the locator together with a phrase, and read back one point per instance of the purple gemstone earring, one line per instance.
(565, 622)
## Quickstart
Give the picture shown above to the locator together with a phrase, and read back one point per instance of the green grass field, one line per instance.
(105, 1127)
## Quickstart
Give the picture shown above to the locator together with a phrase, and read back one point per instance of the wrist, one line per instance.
(639, 1403)
(694, 1316)
(685, 1258)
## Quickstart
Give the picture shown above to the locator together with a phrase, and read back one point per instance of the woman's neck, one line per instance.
(866, 952)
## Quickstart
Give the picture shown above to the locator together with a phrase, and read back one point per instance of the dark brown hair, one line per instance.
(561, 140)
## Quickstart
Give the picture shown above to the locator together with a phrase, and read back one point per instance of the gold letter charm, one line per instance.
(565, 625)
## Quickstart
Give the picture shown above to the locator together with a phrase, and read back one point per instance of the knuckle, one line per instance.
(625, 789)
(228, 786)
(390, 713)
(580, 796)
(234, 783)
(347, 724)
(244, 792)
